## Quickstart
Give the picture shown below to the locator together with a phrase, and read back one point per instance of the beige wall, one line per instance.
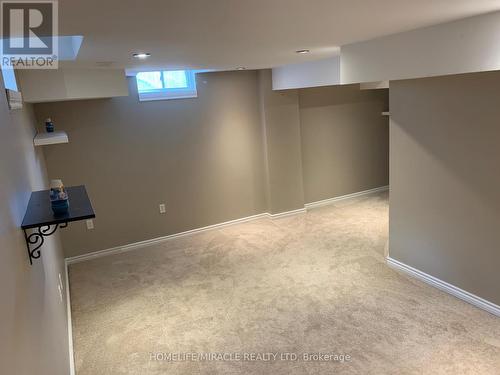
(33, 325)
(281, 122)
(202, 157)
(444, 164)
(233, 152)
(345, 140)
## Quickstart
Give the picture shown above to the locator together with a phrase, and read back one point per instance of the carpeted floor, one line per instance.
(309, 283)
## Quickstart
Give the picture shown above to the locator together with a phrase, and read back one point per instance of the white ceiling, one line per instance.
(225, 34)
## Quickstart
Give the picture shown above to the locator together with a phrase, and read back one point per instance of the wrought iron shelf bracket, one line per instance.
(40, 221)
(35, 240)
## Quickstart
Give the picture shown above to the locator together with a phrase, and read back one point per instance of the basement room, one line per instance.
(250, 187)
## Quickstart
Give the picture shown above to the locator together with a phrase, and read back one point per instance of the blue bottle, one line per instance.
(49, 126)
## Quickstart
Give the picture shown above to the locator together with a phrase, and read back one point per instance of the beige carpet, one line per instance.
(309, 283)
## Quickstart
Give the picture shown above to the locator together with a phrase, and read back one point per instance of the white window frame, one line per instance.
(170, 93)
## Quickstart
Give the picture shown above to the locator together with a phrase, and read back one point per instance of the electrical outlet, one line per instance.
(162, 208)
(90, 224)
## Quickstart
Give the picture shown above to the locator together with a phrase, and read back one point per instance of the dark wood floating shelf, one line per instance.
(39, 216)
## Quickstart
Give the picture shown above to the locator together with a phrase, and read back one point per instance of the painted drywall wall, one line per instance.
(41, 85)
(444, 201)
(33, 325)
(345, 140)
(467, 45)
(280, 111)
(234, 151)
(202, 157)
(322, 72)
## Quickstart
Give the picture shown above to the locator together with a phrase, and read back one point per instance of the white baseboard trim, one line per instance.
(444, 286)
(70, 324)
(287, 213)
(140, 244)
(326, 202)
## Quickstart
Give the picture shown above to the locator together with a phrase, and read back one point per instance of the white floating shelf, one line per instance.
(43, 139)
(386, 113)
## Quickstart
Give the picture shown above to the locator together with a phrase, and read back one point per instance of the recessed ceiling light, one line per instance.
(302, 51)
(141, 55)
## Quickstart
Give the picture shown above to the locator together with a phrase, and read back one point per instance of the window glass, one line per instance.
(175, 79)
(147, 81)
(166, 84)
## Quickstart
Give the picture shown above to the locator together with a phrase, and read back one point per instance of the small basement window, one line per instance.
(166, 84)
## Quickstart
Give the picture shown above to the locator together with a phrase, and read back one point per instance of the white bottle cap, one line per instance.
(56, 184)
